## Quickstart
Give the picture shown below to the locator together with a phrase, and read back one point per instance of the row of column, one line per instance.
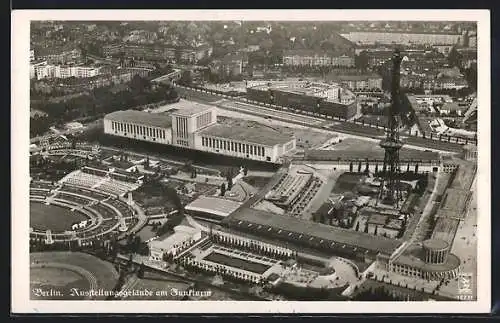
(138, 129)
(436, 256)
(233, 146)
(227, 238)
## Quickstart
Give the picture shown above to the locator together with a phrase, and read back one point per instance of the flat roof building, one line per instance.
(255, 133)
(182, 237)
(212, 208)
(194, 126)
(246, 140)
(189, 108)
(140, 117)
(311, 234)
(139, 125)
(316, 97)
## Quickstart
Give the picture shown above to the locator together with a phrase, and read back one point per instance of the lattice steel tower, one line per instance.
(390, 188)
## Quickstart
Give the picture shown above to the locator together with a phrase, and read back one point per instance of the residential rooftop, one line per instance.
(316, 53)
(353, 77)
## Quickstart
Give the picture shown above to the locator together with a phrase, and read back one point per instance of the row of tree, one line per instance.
(365, 170)
(104, 100)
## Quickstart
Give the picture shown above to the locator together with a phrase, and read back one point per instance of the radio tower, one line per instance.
(390, 189)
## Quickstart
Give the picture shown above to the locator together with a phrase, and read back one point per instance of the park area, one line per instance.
(237, 263)
(52, 217)
(348, 182)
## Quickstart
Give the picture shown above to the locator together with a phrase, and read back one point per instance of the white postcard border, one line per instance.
(20, 33)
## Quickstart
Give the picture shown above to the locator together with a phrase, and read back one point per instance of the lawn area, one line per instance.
(60, 279)
(52, 217)
(65, 270)
(146, 232)
(357, 145)
(237, 263)
(307, 138)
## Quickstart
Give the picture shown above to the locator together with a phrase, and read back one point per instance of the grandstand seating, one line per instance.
(66, 203)
(58, 145)
(83, 179)
(74, 152)
(125, 176)
(39, 192)
(42, 185)
(82, 191)
(101, 183)
(122, 207)
(305, 196)
(289, 187)
(73, 198)
(116, 187)
(105, 211)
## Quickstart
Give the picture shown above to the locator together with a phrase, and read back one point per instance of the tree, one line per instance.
(172, 195)
(454, 57)
(186, 78)
(222, 189)
(130, 261)
(361, 61)
(139, 85)
(229, 178)
(140, 273)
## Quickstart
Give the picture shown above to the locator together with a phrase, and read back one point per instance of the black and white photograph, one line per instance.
(251, 161)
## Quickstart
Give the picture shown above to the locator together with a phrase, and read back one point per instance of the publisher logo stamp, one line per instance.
(465, 287)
